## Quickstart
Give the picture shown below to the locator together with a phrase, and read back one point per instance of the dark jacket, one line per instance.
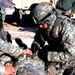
(66, 5)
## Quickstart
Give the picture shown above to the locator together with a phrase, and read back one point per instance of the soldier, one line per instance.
(11, 50)
(65, 7)
(8, 50)
(2, 11)
(17, 16)
(57, 30)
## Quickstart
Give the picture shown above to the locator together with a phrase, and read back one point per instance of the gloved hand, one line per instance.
(20, 43)
(8, 36)
(34, 48)
(9, 70)
(26, 51)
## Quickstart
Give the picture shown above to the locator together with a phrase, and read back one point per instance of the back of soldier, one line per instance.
(63, 18)
(66, 31)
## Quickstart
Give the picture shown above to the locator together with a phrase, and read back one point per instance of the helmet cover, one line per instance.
(42, 12)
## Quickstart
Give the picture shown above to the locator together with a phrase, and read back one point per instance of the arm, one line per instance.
(12, 50)
(38, 42)
(9, 48)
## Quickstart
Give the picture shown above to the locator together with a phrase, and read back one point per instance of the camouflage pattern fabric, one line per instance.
(6, 48)
(10, 49)
(30, 66)
(59, 37)
(2, 69)
(40, 12)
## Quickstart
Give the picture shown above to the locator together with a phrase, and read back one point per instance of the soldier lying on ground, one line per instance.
(57, 30)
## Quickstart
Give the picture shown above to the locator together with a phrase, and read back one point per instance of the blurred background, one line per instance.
(19, 10)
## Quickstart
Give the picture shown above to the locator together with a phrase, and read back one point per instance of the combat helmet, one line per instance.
(43, 12)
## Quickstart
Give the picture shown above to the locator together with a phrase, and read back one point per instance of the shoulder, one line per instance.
(64, 19)
(62, 16)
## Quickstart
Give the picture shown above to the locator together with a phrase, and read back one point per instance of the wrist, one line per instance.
(23, 52)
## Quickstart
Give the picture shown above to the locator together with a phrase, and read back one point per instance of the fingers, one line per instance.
(26, 51)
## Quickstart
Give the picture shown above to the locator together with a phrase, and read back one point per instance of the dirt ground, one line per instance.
(20, 32)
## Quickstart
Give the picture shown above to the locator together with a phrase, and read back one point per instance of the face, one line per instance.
(43, 26)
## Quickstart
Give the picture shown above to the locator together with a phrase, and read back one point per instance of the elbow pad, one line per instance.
(35, 47)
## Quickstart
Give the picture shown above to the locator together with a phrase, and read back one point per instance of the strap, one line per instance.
(47, 16)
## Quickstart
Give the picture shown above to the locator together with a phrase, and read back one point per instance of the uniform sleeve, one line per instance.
(39, 38)
(38, 42)
(9, 48)
(68, 37)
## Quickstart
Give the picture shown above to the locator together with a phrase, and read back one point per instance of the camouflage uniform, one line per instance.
(6, 48)
(59, 37)
(60, 34)
(10, 49)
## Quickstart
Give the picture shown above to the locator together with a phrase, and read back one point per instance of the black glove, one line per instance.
(34, 48)
(42, 54)
(8, 37)
(20, 43)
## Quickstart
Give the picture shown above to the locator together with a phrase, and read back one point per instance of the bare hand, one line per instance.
(26, 51)
(9, 70)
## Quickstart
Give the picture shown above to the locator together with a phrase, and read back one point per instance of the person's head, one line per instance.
(43, 14)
